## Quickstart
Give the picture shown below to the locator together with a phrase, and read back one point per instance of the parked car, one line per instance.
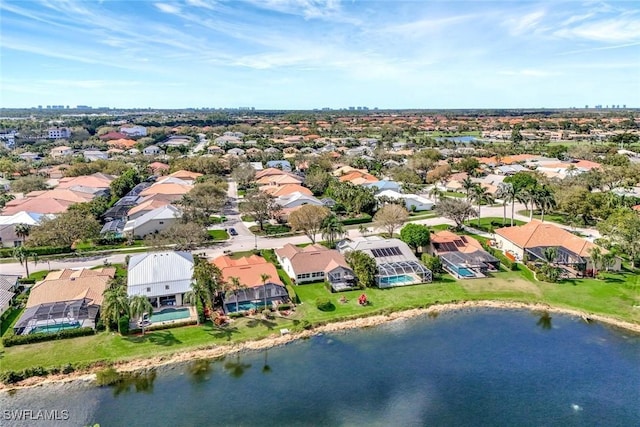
(233, 232)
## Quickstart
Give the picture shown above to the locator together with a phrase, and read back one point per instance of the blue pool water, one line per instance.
(394, 280)
(170, 314)
(55, 327)
(465, 272)
(245, 306)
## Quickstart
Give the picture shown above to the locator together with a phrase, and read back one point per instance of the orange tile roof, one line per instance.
(247, 269)
(538, 234)
(86, 181)
(184, 174)
(71, 286)
(312, 258)
(122, 143)
(32, 204)
(269, 172)
(636, 208)
(465, 244)
(148, 205)
(358, 177)
(166, 189)
(279, 180)
(285, 190)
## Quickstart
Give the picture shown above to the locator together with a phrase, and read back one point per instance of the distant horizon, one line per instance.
(312, 54)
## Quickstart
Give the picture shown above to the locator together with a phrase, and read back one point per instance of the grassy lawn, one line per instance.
(218, 234)
(90, 246)
(10, 318)
(551, 217)
(616, 296)
(38, 275)
(454, 194)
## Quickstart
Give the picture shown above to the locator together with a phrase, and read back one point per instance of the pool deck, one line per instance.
(193, 315)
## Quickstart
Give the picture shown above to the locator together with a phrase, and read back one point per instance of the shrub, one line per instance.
(123, 325)
(11, 340)
(434, 264)
(324, 304)
(68, 368)
(360, 220)
(283, 307)
(40, 251)
(26, 281)
(236, 314)
(108, 376)
(200, 310)
(11, 377)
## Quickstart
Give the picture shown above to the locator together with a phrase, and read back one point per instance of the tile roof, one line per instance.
(186, 175)
(542, 234)
(76, 286)
(37, 205)
(465, 244)
(285, 190)
(247, 269)
(166, 189)
(312, 258)
(148, 205)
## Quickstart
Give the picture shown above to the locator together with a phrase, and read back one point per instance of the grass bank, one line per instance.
(616, 297)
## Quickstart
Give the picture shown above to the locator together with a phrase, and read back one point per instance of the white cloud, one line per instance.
(522, 24)
(168, 8)
(529, 73)
(626, 29)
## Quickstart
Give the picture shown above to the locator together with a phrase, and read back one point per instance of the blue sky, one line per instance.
(319, 53)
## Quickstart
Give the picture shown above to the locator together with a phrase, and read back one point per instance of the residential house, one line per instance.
(316, 263)
(29, 156)
(61, 151)
(152, 150)
(8, 290)
(163, 277)
(153, 221)
(65, 299)
(396, 262)
(297, 199)
(358, 178)
(382, 185)
(462, 256)
(254, 291)
(134, 130)
(58, 133)
(285, 190)
(412, 202)
(235, 152)
(283, 165)
(532, 239)
(185, 175)
(93, 155)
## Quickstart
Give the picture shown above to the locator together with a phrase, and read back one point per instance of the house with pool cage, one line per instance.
(65, 299)
(462, 256)
(253, 292)
(396, 262)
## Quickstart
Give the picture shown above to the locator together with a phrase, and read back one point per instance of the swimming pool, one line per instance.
(397, 280)
(245, 306)
(465, 272)
(167, 314)
(54, 327)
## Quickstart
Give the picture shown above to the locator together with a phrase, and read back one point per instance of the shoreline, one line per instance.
(274, 340)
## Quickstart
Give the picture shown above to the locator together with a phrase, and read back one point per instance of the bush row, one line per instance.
(361, 220)
(508, 264)
(40, 251)
(12, 377)
(12, 340)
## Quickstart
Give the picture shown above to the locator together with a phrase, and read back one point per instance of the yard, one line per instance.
(617, 296)
(218, 234)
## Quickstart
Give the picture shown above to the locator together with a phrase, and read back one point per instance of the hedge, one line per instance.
(12, 340)
(40, 251)
(361, 220)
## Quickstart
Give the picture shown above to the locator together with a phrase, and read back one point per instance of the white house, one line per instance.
(61, 151)
(58, 133)
(411, 201)
(93, 155)
(296, 199)
(153, 221)
(152, 150)
(163, 277)
(134, 130)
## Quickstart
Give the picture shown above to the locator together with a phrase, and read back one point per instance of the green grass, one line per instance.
(218, 234)
(615, 296)
(38, 275)
(9, 319)
(550, 217)
(91, 246)
(454, 194)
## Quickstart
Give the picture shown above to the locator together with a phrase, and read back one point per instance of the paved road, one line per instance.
(245, 240)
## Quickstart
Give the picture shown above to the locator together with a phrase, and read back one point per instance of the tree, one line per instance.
(235, 286)
(65, 229)
(28, 184)
(516, 136)
(96, 207)
(243, 174)
(468, 164)
(623, 229)
(596, 259)
(550, 254)
(261, 206)
(22, 231)
(139, 305)
(467, 186)
(434, 264)
(317, 180)
(204, 199)
(456, 210)
(124, 183)
(309, 219)
(264, 277)
(363, 266)
(22, 255)
(415, 235)
(390, 217)
(480, 195)
(183, 236)
(332, 229)
(544, 198)
(355, 199)
(115, 303)
(506, 194)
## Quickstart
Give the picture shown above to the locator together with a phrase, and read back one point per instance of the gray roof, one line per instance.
(5, 299)
(382, 250)
(8, 282)
(157, 270)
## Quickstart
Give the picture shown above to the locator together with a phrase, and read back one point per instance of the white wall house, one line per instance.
(410, 200)
(134, 130)
(163, 277)
(61, 151)
(153, 221)
(296, 199)
(58, 133)
(152, 150)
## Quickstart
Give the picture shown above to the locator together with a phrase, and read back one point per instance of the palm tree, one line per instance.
(22, 231)
(510, 196)
(435, 193)
(332, 229)
(264, 277)
(525, 196)
(115, 303)
(138, 306)
(235, 288)
(550, 254)
(502, 195)
(545, 200)
(596, 259)
(480, 194)
(363, 229)
(22, 255)
(467, 185)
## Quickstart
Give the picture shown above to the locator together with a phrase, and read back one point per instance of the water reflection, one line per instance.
(200, 370)
(544, 321)
(140, 381)
(266, 369)
(236, 368)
